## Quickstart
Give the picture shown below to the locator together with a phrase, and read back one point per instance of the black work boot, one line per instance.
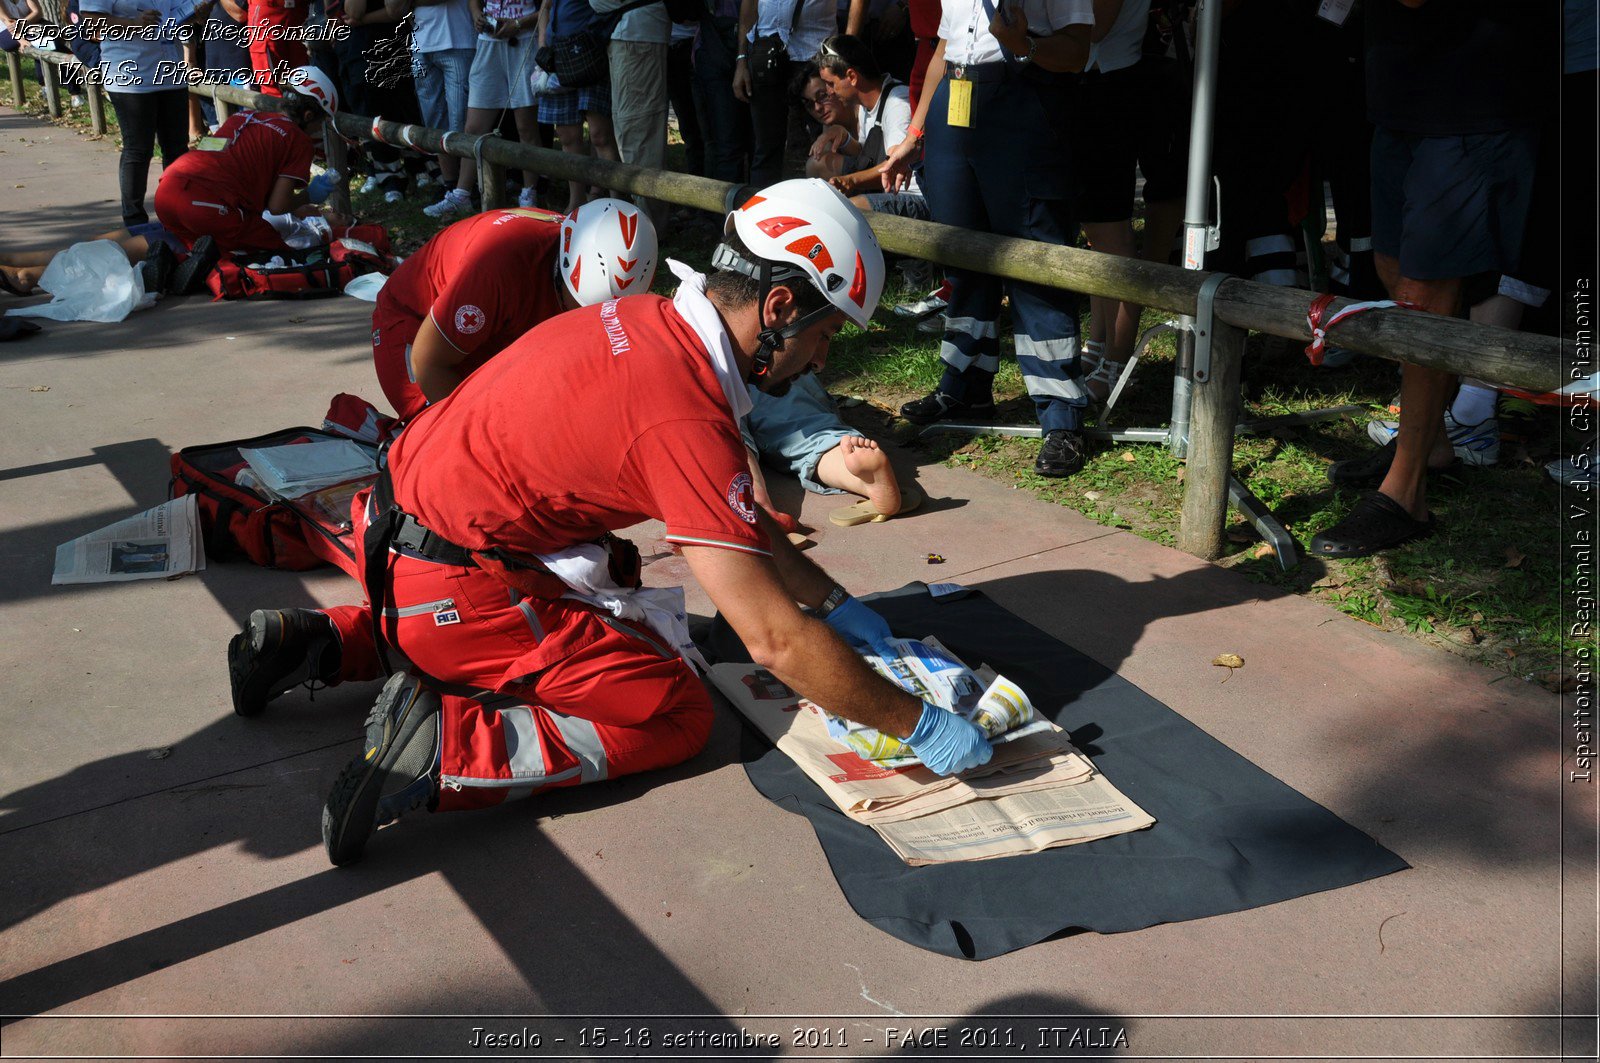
(939, 406)
(157, 267)
(190, 274)
(397, 771)
(278, 650)
(1062, 454)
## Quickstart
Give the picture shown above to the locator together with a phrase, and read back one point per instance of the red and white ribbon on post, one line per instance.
(1319, 321)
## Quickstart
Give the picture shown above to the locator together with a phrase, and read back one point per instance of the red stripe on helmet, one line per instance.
(630, 228)
(776, 227)
(858, 287)
(809, 247)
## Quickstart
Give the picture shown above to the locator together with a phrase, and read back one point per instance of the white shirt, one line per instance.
(818, 22)
(1122, 47)
(893, 115)
(695, 308)
(441, 27)
(964, 26)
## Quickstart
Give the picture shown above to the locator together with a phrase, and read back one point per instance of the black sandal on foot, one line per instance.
(1372, 468)
(1375, 523)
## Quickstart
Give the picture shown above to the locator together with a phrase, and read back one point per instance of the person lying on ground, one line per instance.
(20, 270)
(593, 421)
(801, 433)
(482, 282)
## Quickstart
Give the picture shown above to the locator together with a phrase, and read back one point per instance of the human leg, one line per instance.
(727, 124)
(572, 142)
(639, 106)
(136, 117)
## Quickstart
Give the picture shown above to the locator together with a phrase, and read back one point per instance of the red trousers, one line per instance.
(392, 335)
(270, 58)
(191, 210)
(582, 696)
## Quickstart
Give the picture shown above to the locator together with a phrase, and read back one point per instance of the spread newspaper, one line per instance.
(1036, 792)
(157, 544)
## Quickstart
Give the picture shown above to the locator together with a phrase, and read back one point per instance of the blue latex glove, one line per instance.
(320, 186)
(858, 625)
(948, 744)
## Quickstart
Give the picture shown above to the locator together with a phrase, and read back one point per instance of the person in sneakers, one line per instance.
(998, 160)
(442, 48)
(591, 422)
(882, 108)
(500, 79)
(251, 193)
(482, 282)
(1452, 92)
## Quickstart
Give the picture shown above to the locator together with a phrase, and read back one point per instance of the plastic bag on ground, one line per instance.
(90, 281)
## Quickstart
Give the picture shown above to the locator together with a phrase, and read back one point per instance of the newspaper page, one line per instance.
(159, 543)
(1016, 823)
(926, 669)
(1035, 793)
(859, 786)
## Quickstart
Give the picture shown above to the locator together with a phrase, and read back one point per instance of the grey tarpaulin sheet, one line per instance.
(1228, 836)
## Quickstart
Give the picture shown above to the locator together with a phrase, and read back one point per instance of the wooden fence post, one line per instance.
(52, 87)
(97, 100)
(337, 152)
(492, 184)
(1210, 462)
(14, 66)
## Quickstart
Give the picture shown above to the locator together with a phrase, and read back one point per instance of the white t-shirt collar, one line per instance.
(693, 306)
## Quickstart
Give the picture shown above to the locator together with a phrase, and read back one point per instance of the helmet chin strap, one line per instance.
(770, 339)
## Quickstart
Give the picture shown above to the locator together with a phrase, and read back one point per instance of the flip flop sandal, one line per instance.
(863, 512)
(1112, 377)
(1375, 523)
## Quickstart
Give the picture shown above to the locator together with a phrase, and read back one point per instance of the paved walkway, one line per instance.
(160, 856)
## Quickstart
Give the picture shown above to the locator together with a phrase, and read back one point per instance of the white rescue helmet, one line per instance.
(608, 250)
(809, 226)
(312, 83)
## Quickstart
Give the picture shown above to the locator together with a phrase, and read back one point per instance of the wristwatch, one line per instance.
(1033, 46)
(834, 599)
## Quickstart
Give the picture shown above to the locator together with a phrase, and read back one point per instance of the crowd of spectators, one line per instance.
(1030, 118)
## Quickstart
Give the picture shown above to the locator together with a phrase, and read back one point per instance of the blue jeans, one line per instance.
(727, 121)
(441, 79)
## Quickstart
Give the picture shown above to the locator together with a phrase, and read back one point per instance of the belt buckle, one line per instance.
(961, 72)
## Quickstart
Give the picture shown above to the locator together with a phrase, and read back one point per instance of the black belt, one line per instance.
(412, 537)
(1000, 70)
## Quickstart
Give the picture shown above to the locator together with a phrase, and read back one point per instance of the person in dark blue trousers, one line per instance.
(993, 120)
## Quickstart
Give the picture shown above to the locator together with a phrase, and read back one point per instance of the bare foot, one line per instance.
(21, 280)
(867, 463)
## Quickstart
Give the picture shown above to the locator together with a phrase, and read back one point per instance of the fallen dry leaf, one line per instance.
(1263, 550)
(1183, 472)
(160, 754)
(1230, 661)
(1093, 496)
(1127, 455)
(1514, 557)
(40, 387)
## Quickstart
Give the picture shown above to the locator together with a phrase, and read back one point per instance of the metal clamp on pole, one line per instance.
(1204, 324)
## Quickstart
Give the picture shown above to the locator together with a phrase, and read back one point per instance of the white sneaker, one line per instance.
(424, 180)
(393, 196)
(1475, 444)
(370, 185)
(454, 202)
(528, 197)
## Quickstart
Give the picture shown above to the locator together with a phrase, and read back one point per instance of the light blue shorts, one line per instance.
(795, 431)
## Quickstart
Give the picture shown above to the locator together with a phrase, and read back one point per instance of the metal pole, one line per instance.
(1197, 226)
